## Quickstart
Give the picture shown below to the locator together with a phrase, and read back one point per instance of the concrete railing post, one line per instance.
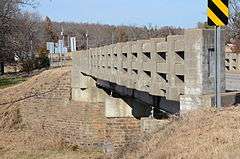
(84, 87)
(199, 68)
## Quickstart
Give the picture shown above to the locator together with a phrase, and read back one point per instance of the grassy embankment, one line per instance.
(8, 81)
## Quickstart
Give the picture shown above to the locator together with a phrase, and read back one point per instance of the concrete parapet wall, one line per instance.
(179, 65)
(232, 81)
(232, 62)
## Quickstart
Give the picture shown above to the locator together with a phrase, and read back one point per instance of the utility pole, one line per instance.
(134, 35)
(112, 38)
(87, 40)
(61, 46)
(31, 48)
(68, 38)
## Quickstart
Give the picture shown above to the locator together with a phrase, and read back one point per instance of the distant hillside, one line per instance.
(100, 35)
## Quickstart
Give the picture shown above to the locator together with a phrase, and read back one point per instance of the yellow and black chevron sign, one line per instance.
(218, 12)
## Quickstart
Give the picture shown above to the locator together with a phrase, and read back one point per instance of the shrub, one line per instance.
(37, 63)
(41, 60)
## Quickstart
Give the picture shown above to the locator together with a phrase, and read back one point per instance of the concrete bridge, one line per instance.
(171, 74)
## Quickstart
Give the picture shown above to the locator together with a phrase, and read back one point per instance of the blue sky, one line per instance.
(183, 13)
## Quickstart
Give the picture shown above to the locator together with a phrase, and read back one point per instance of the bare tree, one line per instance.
(233, 28)
(50, 33)
(100, 35)
(25, 40)
(22, 35)
(9, 10)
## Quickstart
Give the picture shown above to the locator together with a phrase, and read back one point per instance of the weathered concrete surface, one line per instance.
(88, 92)
(228, 99)
(116, 107)
(233, 81)
(141, 102)
(232, 62)
(125, 107)
(200, 68)
(177, 69)
(84, 87)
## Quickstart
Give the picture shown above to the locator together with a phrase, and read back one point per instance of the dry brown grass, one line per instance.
(10, 98)
(39, 84)
(25, 144)
(206, 133)
(17, 139)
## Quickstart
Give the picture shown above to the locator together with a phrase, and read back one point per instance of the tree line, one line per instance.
(23, 35)
(100, 35)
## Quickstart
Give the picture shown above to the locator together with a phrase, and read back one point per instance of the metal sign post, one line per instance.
(218, 13)
(218, 66)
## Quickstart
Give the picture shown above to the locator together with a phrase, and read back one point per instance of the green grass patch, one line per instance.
(7, 82)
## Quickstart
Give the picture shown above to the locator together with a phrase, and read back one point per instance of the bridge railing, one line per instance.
(175, 67)
(232, 62)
